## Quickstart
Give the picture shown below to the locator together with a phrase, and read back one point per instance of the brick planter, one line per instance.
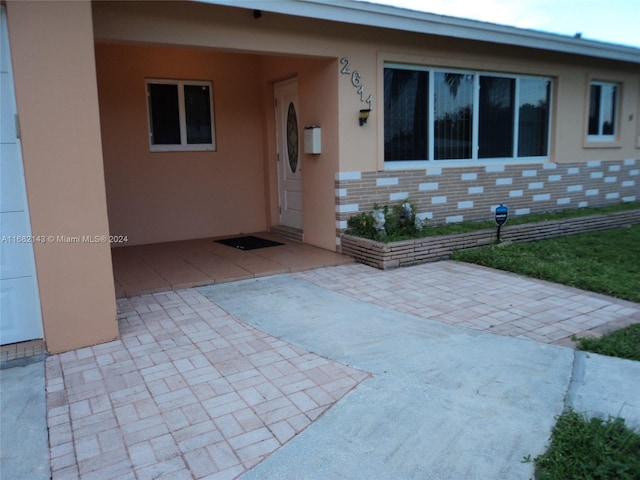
(429, 249)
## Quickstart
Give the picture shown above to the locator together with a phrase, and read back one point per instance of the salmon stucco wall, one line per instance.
(166, 196)
(318, 105)
(283, 48)
(56, 95)
(366, 49)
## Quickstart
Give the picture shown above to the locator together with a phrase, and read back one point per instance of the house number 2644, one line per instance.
(356, 81)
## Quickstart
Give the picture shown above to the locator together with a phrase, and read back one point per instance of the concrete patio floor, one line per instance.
(160, 267)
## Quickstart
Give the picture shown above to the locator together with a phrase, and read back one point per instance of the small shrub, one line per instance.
(388, 223)
(361, 225)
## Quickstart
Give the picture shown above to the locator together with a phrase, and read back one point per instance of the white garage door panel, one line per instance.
(7, 104)
(17, 251)
(18, 312)
(20, 316)
(11, 181)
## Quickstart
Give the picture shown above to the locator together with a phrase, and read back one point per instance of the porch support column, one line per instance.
(55, 79)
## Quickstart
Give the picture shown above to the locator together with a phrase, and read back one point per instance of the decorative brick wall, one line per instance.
(429, 249)
(456, 194)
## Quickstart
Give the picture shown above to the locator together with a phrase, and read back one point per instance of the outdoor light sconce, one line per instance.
(364, 115)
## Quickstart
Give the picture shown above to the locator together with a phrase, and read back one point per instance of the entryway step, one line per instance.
(293, 234)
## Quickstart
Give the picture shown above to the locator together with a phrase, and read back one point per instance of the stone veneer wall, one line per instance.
(456, 194)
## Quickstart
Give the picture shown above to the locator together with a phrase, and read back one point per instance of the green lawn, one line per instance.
(465, 227)
(622, 343)
(606, 262)
(585, 449)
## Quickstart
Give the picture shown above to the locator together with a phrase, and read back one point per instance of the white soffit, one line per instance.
(383, 16)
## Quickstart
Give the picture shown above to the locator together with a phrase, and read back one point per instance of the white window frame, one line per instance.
(600, 137)
(183, 146)
(474, 160)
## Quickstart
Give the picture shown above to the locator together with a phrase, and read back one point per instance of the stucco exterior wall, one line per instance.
(166, 196)
(283, 48)
(367, 48)
(318, 105)
(56, 94)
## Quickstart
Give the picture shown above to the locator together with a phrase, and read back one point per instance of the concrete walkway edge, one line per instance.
(24, 440)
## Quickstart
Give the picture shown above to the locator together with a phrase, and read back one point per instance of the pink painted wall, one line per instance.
(165, 196)
(318, 105)
(157, 197)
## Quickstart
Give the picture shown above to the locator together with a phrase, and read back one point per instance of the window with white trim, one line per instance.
(435, 115)
(180, 115)
(603, 110)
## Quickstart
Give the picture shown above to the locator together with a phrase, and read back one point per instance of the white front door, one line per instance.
(20, 317)
(289, 166)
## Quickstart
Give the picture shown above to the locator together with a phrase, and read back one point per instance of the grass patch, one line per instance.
(465, 227)
(606, 262)
(622, 343)
(583, 448)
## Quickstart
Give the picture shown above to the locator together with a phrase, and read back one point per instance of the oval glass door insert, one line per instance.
(292, 137)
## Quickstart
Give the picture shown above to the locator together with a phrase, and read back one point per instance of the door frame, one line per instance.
(288, 89)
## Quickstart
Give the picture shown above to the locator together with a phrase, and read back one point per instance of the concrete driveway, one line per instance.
(443, 402)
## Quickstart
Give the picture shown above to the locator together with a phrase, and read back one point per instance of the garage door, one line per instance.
(20, 317)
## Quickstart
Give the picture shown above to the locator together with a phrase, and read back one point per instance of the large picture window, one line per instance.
(440, 115)
(533, 117)
(603, 108)
(406, 118)
(180, 115)
(496, 117)
(453, 115)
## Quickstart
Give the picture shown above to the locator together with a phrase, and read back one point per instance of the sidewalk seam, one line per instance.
(577, 373)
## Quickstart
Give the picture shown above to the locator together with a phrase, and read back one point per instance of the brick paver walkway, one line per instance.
(482, 299)
(191, 392)
(187, 392)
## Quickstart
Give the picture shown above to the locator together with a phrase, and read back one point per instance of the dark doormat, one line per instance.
(248, 243)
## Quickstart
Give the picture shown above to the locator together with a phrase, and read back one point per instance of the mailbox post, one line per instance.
(502, 212)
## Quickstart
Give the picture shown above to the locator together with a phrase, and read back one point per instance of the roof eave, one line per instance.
(383, 16)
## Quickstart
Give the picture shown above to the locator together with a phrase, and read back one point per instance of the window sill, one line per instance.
(601, 144)
(182, 148)
(422, 164)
